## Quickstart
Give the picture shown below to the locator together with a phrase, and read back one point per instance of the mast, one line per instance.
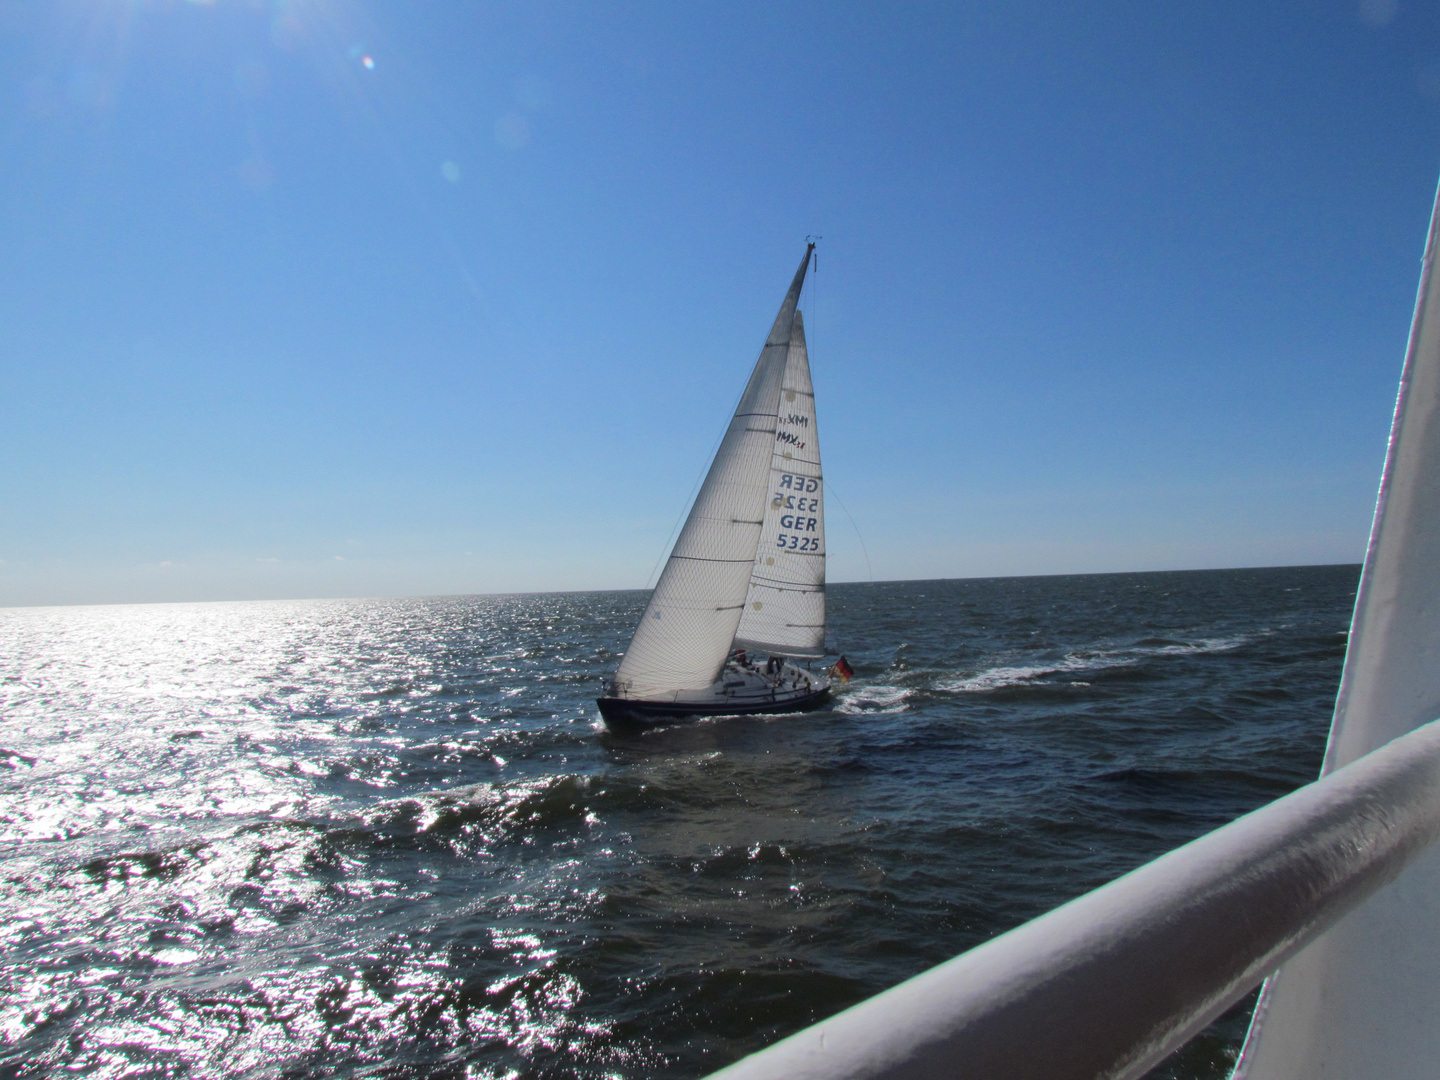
(689, 623)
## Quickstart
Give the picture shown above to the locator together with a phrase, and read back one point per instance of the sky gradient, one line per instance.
(332, 298)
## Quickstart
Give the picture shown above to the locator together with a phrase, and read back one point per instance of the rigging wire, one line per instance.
(814, 281)
(831, 489)
(653, 578)
(811, 335)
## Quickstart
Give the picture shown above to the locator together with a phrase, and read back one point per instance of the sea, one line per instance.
(392, 838)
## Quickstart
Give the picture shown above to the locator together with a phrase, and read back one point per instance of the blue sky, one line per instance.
(336, 298)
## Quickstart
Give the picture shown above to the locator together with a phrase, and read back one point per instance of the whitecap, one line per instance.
(174, 956)
(874, 699)
(998, 678)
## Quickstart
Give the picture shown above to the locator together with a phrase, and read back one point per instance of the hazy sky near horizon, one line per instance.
(340, 298)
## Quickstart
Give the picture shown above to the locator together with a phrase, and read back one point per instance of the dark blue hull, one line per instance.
(624, 712)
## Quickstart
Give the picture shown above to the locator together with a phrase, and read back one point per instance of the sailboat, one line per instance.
(747, 572)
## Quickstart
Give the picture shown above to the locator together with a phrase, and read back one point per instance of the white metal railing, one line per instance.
(1108, 984)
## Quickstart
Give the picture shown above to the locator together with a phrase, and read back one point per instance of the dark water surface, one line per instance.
(389, 837)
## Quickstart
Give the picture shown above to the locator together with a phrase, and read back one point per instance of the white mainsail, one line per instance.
(1363, 999)
(690, 621)
(785, 606)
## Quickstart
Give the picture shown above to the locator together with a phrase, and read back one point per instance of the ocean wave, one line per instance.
(320, 839)
(873, 699)
(1081, 662)
(499, 813)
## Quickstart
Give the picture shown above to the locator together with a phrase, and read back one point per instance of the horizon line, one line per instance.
(1359, 565)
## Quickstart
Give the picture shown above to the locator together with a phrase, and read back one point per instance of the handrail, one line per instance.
(1108, 984)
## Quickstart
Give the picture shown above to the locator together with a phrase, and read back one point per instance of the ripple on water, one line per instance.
(363, 837)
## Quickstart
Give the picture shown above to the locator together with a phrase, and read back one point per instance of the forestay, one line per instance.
(690, 621)
(785, 606)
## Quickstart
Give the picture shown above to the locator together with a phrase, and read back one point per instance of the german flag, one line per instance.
(842, 670)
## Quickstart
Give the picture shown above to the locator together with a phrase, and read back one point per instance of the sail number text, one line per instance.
(794, 495)
(791, 542)
(795, 502)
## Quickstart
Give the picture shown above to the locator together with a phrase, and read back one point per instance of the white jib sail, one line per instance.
(1363, 1000)
(689, 623)
(785, 606)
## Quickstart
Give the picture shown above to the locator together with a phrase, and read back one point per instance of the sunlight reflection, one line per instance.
(204, 877)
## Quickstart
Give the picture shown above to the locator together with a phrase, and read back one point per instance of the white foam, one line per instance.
(1000, 677)
(874, 699)
(174, 956)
